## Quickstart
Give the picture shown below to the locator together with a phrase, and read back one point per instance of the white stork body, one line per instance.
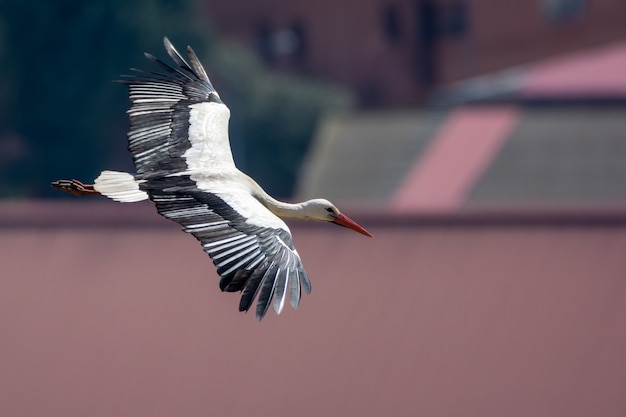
(179, 143)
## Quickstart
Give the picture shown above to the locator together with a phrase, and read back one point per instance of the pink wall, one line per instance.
(421, 320)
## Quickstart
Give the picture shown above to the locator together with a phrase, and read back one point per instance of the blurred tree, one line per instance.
(61, 116)
(273, 115)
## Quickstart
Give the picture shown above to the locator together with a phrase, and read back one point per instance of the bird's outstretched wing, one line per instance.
(178, 135)
(160, 116)
(259, 261)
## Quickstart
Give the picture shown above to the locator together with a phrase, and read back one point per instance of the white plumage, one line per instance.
(119, 186)
(179, 142)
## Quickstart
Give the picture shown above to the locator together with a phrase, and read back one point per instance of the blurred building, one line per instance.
(469, 157)
(551, 133)
(398, 52)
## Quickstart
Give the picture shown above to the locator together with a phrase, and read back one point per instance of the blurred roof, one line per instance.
(572, 155)
(589, 75)
(363, 156)
(498, 154)
(480, 314)
(597, 72)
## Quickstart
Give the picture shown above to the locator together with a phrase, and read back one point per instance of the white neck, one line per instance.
(282, 209)
(279, 208)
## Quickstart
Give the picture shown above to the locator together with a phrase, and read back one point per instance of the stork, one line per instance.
(179, 143)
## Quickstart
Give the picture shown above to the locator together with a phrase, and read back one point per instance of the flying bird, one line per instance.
(179, 143)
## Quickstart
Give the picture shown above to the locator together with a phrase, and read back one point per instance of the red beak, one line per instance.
(345, 221)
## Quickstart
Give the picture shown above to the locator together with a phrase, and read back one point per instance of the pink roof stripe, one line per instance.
(598, 72)
(458, 155)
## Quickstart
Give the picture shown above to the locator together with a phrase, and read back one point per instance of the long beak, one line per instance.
(345, 221)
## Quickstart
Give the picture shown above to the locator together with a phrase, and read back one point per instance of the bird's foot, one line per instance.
(74, 187)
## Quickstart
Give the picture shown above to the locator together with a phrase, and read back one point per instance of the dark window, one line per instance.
(286, 45)
(264, 43)
(391, 24)
(428, 18)
(454, 19)
(301, 49)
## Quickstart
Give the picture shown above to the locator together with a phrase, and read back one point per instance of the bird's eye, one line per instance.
(330, 210)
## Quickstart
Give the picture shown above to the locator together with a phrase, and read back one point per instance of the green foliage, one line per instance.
(61, 116)
(60, 113)
(273, 115)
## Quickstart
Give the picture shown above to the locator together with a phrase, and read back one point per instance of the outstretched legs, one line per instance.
(74, 187)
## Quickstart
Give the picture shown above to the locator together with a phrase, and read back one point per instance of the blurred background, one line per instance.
(482, 142)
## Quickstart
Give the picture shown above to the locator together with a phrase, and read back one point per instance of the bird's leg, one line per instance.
(74, 187)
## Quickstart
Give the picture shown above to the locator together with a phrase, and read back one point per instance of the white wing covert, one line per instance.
(160, 112)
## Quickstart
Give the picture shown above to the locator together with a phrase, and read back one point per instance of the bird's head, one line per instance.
(324, 210)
